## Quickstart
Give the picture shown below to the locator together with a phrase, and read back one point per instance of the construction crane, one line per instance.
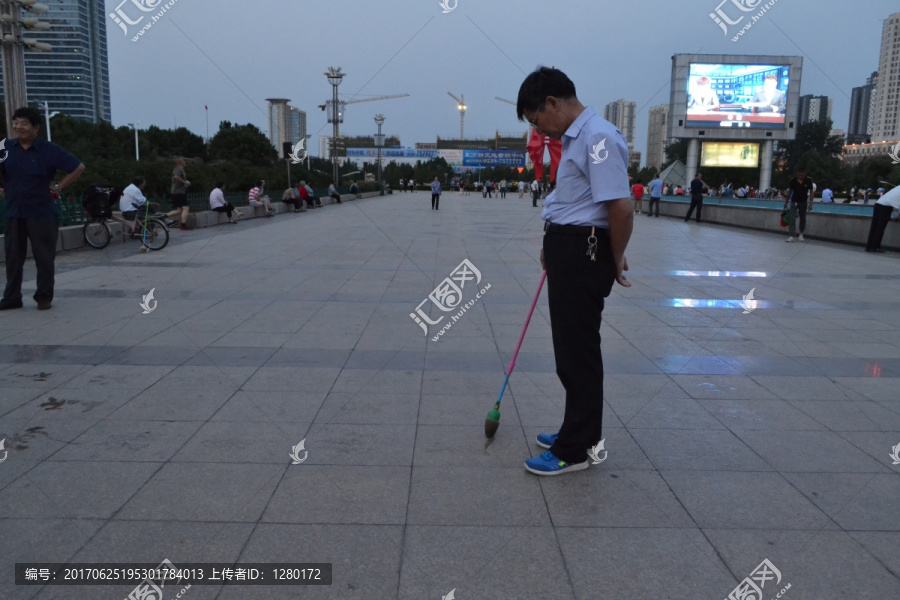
(505, 100)
(343, 104)
(461, 106)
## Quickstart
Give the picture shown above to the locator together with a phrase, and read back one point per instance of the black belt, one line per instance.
(574, 229)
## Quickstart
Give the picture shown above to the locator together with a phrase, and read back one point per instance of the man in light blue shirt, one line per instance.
(589, 219)
(656, 187)
(435, 194)
(827, 195)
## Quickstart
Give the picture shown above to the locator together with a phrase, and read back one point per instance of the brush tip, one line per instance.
(490, 427)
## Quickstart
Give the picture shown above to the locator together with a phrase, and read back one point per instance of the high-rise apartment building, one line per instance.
(286, 123)
(885, 112)
(657, 125)
(815, 108)
(621, 114)
(73, 77)
(860, 103)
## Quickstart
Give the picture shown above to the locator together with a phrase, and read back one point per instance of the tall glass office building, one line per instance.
(73, 78)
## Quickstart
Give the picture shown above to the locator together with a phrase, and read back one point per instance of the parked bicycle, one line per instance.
(98, 202)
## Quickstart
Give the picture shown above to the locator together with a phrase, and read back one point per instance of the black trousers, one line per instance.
(576, 288)
(797, 209)
(696, 202)
(535, 196)
(337, 197)
(435, 201)
(227, 209)
(43, 234)
(654, 201)
(881, 215)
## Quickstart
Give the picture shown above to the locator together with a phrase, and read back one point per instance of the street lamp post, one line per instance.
(47, 116)
(335, 76)
(137, 151)
(13, 49)
(379, 143)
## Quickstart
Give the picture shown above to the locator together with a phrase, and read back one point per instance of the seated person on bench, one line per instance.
(257, 198)
(290, 197)
(306, 194)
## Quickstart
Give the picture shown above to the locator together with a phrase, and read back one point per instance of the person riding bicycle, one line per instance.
(133, 199)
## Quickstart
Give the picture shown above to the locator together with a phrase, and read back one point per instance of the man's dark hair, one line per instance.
(138, 181)
(637, 181)
(220, 184)
(259, 183)
(543, 82)
(27, 112)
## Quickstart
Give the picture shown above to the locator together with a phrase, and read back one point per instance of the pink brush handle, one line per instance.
(512, 363)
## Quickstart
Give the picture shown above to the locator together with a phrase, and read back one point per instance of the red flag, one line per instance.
(535, 149)
(555, 147)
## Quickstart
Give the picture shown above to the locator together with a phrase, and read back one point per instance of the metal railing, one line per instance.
(71, 211)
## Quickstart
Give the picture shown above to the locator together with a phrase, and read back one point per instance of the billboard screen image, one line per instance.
(748, 96)
(729, 154)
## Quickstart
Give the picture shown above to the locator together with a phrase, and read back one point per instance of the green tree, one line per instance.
(677, 150)
(242, 143)
(812, 138)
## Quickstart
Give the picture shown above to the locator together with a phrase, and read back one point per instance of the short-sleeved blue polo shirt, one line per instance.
(593, 170)
(27, 175)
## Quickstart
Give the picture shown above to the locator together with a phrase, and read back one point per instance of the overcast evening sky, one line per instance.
(233, 54)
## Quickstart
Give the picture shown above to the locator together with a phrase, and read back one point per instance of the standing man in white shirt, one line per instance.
(589, 219)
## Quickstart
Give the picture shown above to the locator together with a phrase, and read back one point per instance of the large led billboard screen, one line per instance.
(729, 154)
(737, 95)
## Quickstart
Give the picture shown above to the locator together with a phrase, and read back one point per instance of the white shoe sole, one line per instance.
(570, 469)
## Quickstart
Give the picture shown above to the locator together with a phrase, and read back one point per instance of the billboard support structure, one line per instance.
(693, 160)
(728, 89)
(765, 171)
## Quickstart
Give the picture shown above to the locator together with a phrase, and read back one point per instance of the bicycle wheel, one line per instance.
(96, 234)
(157, 235)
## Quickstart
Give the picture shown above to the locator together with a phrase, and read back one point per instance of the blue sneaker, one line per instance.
(547, 464)
(545, 440)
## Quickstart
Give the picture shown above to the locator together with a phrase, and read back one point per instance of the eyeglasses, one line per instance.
(533, 120)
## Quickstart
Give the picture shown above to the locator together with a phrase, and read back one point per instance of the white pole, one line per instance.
(47, 119)
(137, 150)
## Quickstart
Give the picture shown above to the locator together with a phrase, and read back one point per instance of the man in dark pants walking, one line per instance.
(27, 171)
(881, 215)
(696, 197)
(588, 224)
(800, 195)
